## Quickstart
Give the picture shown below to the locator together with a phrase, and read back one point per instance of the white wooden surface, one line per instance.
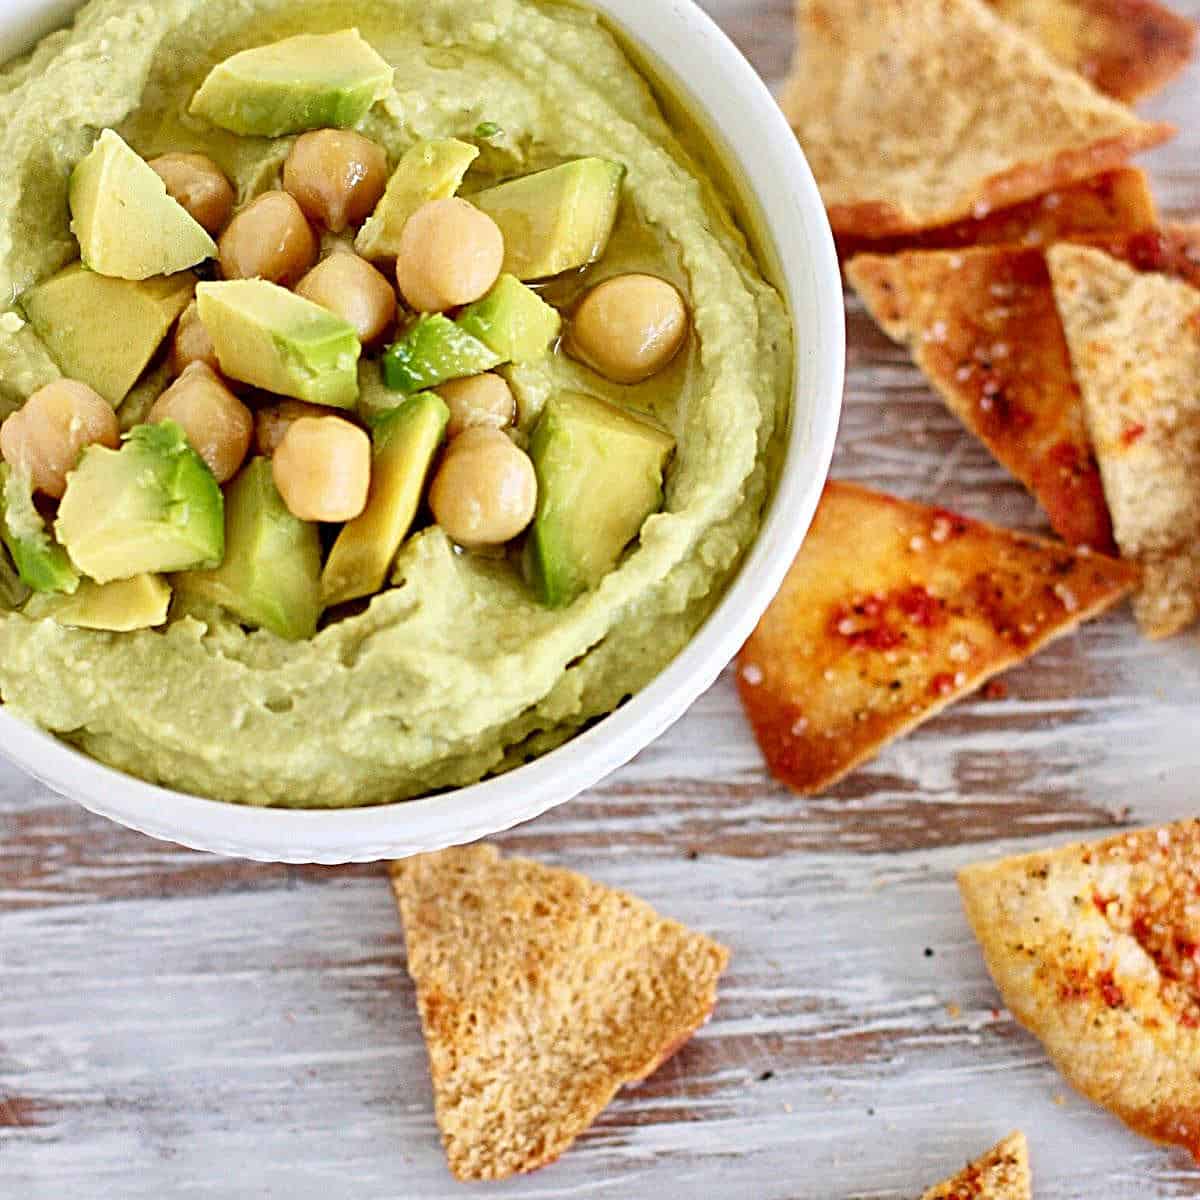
(173, 1025)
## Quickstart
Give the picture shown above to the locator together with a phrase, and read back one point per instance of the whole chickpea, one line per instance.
(478, 400)
(197, 183)
(352, 289)
(217, 424)
(628, 327)
(55, 425)
(272, 423)
(337, 176)
(450, 254)
(485, 491)
(191, 343)
(269, 239)
(322, 469)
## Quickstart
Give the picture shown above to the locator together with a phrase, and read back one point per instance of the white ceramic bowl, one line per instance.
(701, 66)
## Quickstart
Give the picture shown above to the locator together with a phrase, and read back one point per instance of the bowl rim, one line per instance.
(674, 36)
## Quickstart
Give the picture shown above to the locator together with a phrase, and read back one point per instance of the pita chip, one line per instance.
(917, 113)
(1134, 340)
(1000, 1174)
(1094, 949)
(1113, 202)
(982, 327)
(541, 994)
(893, 610)
(1128, 48)
(1173, 249)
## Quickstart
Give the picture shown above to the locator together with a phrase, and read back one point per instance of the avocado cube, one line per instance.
(405, 439)
(513, 320)
(13, 593)
(600, 475)
(127, 225)
(119, 607)
(267, 336)
(555, 220)
(102, 331)
(430, 170)
(42, 564)
(314, 81)
(146, 509)
(433, 350)
(271, 575)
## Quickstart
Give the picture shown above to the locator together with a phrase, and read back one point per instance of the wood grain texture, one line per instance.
(175, 1025)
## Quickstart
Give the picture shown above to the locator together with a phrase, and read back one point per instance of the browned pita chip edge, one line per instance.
(1128, 49)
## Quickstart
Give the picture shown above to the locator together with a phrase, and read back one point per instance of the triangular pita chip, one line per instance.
(541, 994)
(893, 610)
(1127, 48)
(1135, 348)
(1000, 1174)
(916, 113)
(982, 326)
(1113, 202)
(1094, 949)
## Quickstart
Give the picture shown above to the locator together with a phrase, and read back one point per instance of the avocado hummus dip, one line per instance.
(387, 393)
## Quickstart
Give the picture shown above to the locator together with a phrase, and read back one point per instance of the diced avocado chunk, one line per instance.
(271, 575)
(42, 564)
(13, 593)
(406, 439)
(433, 351)
(119, 607)
(267, 336)
(148, 508)
(102, 331)
(600, 475)
(127, 225)
(555, 220)
(431, 170)
(513, 320)
(314, 81)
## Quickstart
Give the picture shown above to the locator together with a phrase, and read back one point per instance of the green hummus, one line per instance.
(456, 672)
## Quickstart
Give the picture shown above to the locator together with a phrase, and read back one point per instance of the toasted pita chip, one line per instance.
(541, 994)
(1128, 48)
(1000, 1174)
(916, 113)
(1094, 949)
(1114, 202)
(1172, 250)
(1135, 348)
(982, 326)
(893, 610)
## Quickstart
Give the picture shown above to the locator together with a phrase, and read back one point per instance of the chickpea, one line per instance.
(337, 176)
(485, 491)
(269, 239)
(478, 400)
(272, 423)
(629, 327)
(217, 424)
(352, 289)
(56, 424)
(199, 185)
(323, 469)
(192, 343)
(450, 254)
